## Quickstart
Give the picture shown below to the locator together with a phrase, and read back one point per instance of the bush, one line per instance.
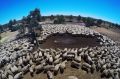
(60, 20)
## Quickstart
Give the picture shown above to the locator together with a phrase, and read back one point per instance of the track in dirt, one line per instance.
(70, 41)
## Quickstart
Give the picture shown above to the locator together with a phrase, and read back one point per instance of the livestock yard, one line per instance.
(66, 51)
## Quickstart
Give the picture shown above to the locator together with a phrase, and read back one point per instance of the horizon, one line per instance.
(105, 10)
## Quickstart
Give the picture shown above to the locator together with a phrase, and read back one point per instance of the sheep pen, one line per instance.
(66, 51)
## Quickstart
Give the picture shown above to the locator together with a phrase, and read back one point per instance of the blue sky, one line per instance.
(104, 9)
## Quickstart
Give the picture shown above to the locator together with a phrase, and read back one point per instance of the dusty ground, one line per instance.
(8, 36)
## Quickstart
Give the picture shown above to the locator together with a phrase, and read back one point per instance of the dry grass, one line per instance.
(114, 34)
(7, 36)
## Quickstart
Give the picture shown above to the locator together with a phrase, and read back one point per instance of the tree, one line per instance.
(84, 19)
(78, 18)
(51, 17)
(33, 24)
(1, 28)
(0, 37)
(10, 25)
(89, 21)
(70, 18)
(14, 21)
(35, 14)
(99, 22)
(43, 18)
(60, 19)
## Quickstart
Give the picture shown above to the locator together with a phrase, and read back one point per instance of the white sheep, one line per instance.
(14, 69)
(57, 60)
(75, 64)
(63, 66)
(10, 77)
(50, 75)
(56, 69)
(72, 77)
(78, 59)
(48, 67)
(25, 69)
(18, 75)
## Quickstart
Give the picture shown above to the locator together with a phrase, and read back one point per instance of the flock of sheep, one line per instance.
(49, 29)
(19, 57)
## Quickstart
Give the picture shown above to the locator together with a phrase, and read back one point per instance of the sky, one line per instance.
(108, 10)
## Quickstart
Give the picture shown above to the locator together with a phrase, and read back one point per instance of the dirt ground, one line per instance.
(70, 41)
(8, 36)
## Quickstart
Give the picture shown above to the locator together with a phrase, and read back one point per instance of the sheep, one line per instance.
(85, 68)
(8, 66)
(105, 73)
(116, 76)
(25, 69)
(40, 54)
(10, 77)
(3, 76)
(86, 65)
(48, 67)
(20, 61)
(39, 68)
(57, 60)
(50, 59)
(57, 56)
(78, 59)
(89, 60)
(70, 56)
(18, 75)
(24, 60)
(19, 68)
(36, 55)
(64, 55)
(72, 77)
(28, 57)
(50, 75)
(75, 64)
(9, 72)
(14, 69)
(38, 60)
(93, 68)
(56, 69)
(62, 66)
(31, 69)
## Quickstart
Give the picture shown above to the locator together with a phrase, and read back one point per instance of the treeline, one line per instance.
(31, 21)
(89, 21)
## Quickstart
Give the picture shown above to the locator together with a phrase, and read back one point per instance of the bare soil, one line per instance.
(70, 41)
